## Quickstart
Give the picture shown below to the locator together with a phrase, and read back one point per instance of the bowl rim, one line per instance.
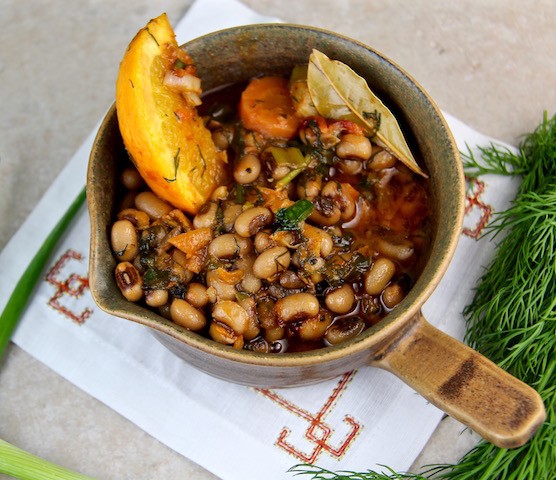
(385, 330)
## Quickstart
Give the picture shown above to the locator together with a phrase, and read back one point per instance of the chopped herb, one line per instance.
(153, 37)
(155, 279)
(240, 193)
(202, 160)
(340, 270)
(121, 252)
(176, 165)
(179, 65)
(219, 218)
(374, 116)
(290, 218)
(241, 296)
(132, 86)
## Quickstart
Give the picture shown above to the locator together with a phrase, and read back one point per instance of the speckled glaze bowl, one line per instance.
(455, 378)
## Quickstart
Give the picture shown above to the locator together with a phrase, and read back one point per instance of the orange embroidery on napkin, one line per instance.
(475, 209)
(74, 285)
(318, 432)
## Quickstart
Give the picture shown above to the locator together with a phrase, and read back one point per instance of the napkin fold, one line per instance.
(356, 422)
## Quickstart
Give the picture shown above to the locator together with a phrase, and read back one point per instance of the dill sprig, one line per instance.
(317, 473)
(512, 317)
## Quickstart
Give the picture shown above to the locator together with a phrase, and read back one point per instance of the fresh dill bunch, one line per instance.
(492, 160)
(512, 317)
(317, 473)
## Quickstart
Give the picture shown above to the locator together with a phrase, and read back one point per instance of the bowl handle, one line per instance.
(464, 384)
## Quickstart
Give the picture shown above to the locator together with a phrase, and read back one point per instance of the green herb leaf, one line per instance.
(290, 218)
(339, 93)
(26, 284)
(178, 64)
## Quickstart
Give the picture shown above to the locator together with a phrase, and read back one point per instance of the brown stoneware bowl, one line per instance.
(452, 376)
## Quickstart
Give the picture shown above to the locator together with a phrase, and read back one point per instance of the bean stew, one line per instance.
(318, 232)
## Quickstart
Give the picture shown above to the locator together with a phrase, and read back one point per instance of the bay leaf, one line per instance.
(340, 93)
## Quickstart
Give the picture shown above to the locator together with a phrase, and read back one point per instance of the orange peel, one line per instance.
(163, 133)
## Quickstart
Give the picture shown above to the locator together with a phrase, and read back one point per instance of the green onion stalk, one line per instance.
(25, 286)
(512, 317)
(25, 466)
(14, 461)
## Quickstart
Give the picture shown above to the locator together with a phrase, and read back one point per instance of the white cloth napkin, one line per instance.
(355, 422)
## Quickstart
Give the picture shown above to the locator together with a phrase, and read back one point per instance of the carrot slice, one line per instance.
(267, 108)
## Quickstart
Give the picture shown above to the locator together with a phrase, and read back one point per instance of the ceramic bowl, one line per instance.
(449, 374)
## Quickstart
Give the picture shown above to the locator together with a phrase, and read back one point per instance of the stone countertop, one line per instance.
(489, 63)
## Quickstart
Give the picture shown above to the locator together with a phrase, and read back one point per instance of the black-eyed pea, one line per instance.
(247, 169)
(224, 246)
(231, 212)
(206, 216)
(223, 334)
(262, 241)
(186, 315)
(164, 311)
(298, 306)
(341, 300)
(125, 243)
(392, 295)
(314, 328)
(266, 313)
(156, 298)
(271, 261)
(253, 328)
(250, 283)
(129, 281)
(127, 201)
(309, 187)
(131, 179)
(290, 279)
(220, 139)
(344, 329)
(231, 314)
(259, 345)
(313, 265)
(139, 219)
(326, 244)
(343, 201)
(222, 290)
(377, 277)
(197, 295)
(381, 160)
(274, 333)
(317, 277)
(326, 212)
(351, 166)
(252, 220)
(220, 193)
(352, 145)
(153, 206)
(396, 249)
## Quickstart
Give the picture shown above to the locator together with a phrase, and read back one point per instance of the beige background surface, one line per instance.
(491, 63)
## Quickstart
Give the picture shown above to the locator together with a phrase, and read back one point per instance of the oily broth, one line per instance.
(391, 211)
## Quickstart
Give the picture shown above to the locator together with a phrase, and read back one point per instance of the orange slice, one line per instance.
(161, 130)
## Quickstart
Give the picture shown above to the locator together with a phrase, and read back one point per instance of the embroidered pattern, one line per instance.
(318, 431)
(477, 212)
(73, 285)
